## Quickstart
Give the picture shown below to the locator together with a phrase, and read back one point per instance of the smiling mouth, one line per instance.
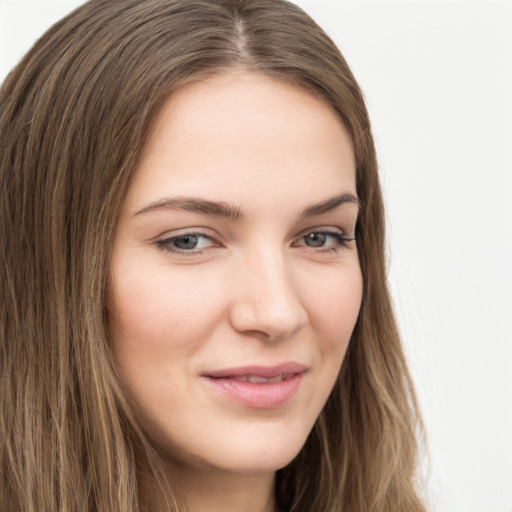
(257, 379)
(259, 387)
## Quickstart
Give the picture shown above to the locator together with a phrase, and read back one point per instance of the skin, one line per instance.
(255, 290)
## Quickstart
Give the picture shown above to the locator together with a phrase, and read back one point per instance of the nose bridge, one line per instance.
(268, 300)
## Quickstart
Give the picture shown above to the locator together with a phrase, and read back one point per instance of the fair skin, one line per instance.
(235, 249)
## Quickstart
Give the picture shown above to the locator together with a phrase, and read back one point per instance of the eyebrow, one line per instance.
(222, 209)
(196, 205)
(329, 205)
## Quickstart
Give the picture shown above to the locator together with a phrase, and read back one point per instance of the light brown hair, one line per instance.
(74, 115)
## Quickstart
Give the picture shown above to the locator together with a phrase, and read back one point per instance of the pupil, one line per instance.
(315, 239)
(186, 242)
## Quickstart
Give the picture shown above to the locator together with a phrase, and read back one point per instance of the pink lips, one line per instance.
(261, 387)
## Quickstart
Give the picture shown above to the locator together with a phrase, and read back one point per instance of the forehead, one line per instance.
(237, 135)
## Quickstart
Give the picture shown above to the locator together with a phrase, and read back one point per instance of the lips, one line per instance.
(257, 379)
(261, 387)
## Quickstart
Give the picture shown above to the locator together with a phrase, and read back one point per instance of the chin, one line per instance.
(267, 460)
(259, 450)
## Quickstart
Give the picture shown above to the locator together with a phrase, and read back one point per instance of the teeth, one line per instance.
(241, 378)
(256, 379)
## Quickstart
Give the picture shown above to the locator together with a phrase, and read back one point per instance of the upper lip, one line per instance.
(267, 372)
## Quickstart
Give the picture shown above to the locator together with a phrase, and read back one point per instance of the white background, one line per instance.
(438, 81)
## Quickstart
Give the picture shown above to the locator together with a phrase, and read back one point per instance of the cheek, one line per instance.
(154, 307)
(333, 314)
(158, 322)
(335, 300)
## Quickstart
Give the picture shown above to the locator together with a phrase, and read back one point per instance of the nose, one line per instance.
(267, 302)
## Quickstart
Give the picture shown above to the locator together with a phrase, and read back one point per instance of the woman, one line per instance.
(196, 314)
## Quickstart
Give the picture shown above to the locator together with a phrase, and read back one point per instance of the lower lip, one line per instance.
(264, 395)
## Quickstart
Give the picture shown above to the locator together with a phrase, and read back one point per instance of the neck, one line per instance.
(207, 491)
(215, 491)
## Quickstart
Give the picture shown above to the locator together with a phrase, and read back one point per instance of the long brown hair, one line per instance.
(74, 115)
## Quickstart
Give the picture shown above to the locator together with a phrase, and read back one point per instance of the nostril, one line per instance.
(266, 321)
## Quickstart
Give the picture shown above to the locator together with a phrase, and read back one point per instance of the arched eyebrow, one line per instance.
(329, 205)
(196, 205)
(232, 212)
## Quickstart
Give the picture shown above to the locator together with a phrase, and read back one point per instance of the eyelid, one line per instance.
(337, 233)
(162, 241)
(180, 232)
(322, 229)
(327, 230)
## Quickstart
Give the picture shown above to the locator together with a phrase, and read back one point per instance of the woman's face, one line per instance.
(235, 282)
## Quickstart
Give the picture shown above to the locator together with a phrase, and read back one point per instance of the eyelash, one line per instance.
(340, 241)
(166, 243)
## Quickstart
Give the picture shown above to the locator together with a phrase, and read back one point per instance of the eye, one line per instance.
(316, 239)
(324, 239)
(187, 243)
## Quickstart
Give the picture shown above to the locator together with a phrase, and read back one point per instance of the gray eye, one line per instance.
(186, 242)
(315, 239)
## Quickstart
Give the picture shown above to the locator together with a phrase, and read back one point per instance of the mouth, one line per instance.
(257, 379)
(259, 387)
